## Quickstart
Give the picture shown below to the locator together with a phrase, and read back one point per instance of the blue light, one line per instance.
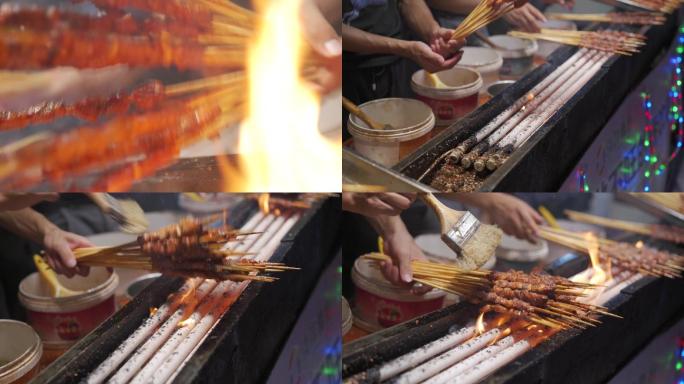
(679, 59)
(681, 119)
(682, 354)
(679, 144)
(646, 158)
(646, 188)
(648, 104)
(681, 39)
(678, 70)
(681, 381)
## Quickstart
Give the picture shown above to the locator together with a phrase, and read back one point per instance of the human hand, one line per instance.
(526, 18)
(16, 201)
(430, 60)
(514, 216)
(374, 204)
(569, 4)
(441, 43)
(326, 45)
(402, 249)
(59, 246)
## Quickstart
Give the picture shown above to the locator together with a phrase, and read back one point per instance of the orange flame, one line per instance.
(479, 324)
(187, 322)
(281, 147)
(153, 310)
(639, 244)
(263, 201)
(599, 276)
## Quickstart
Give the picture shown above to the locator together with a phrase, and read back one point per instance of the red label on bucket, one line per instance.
(450, 110)
(60, 328)
(387, 312)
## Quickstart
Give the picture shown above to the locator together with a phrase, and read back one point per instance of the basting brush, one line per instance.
(125, 212)
(462, 231)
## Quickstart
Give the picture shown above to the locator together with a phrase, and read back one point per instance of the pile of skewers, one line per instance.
(638, 18)
(673, 201)
(623, 43)
(664, 6)
(543, 299)
(189, 248)
(484, 13)
(657, 231)
(622, 256)
(134, 132)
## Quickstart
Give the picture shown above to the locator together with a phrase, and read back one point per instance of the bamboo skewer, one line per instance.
(609, 41)
(498, 291)
(641, 18)
(673, 201)
(484, 13)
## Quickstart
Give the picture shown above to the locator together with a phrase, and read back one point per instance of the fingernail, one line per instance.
(406, 277)
(70, 263)
(333, 47)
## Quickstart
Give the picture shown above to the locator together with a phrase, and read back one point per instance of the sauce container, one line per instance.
(346, 317)
(517, 55)
(455, 99)
(20, 352)
(410, 119)
(485, 61)
(60, 322)
(498, 87)
(380, 304)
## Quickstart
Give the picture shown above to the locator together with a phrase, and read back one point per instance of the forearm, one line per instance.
(459, 7)
(27, 224)
(418, 18)
(387, 226)
(332, 11)
(476, 200)
(356, 40)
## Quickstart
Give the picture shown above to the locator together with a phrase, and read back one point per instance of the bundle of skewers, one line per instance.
(623, 43)
(656, 231)
(636, 258)
(673, 201)
(484, 13)
(543, 299)
(134, 132)
(664, 6)
(638, 18)
(189, 248)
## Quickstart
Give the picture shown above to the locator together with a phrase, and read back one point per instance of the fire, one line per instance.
(639, 244)
(153, 310)
(479, 324)
(280, 145)
(263, 201)
(600, 276)
(189, 322)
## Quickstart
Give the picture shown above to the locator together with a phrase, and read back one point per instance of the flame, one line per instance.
(639, 244)
(186, 323)
(280, 145)
(599, 276)
(263, 201)
(530, 96)
(153, 310)
(479, 324)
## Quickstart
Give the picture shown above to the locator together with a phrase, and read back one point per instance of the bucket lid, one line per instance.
(479, 58)
(401, 113)
(514, 47)
(459, 82)
(21, 350)
(515, 249)
(369, 278)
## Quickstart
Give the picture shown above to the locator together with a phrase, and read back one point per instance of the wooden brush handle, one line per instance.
(447, 216)
(353, 109)
(100, 199)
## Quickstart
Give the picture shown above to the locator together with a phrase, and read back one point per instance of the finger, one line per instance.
(380, 207)
(537, 14)
(65, 255)
(453, 60)
(82, 270)
(50, 262)
(405, 271)
(77, 241)
(396, 201)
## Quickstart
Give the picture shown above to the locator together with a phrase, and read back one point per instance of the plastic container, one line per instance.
(347, 319)
(547, 47)
(410, 119)
(20, 352)
(456, 99)
(517, 55)
(514, 249)
(380, 304)
(498, 87)
(485, 61)
(60, 322)
(436, 250)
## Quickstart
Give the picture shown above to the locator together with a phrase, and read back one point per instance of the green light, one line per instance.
(681, 29)
(586, 188)
(662, 166)
(674, 108)
(647, 143)
(329, 371)
(679, 366)
(654, 159)
(679, 83)
(647, 173)
(658, 172)
(680, 49)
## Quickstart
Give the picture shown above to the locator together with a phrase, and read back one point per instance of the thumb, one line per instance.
(319, 33)
(405, 271)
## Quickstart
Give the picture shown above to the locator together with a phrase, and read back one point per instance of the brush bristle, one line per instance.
(480, 247)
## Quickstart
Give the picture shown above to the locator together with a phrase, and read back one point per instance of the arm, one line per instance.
(459, 7)
(58, 244)
(356, 40)
(418, 18)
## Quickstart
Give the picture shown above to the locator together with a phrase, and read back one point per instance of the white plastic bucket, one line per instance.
(455, 99)
(60, 322)
(517, 55)
(485, 61)
(380, 304)
(20, 352)
(410, 119)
